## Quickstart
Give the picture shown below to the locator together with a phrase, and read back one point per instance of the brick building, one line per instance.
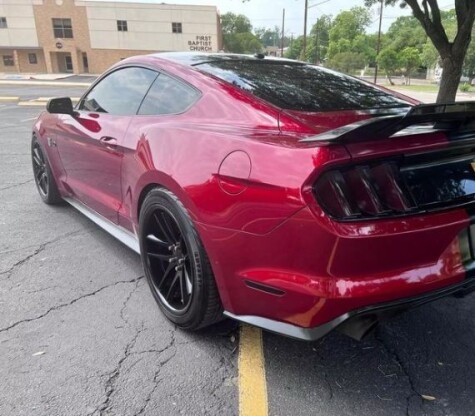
(80, 36)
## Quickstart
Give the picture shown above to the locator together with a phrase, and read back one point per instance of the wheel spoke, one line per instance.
(37, 161)
(173, 284)
(168, 237)
(43, 180)
(169, 228)
(165, 275)
(155, 239)
(189, 285)
(37, 154)
(182, 286)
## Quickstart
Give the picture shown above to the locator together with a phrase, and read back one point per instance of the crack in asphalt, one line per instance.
(16, 185)
(40, 248)
(72, 302)
(156, 382)
(397, 359)
(124, 306)
(114, 375)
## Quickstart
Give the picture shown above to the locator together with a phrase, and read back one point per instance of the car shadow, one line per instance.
(420, 363)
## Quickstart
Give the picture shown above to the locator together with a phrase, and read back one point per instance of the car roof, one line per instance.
(197, 58)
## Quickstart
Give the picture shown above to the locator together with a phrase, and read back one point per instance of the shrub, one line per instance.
(464, 87)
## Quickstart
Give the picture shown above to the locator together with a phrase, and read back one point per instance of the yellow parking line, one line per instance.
(9, 98)
(252, 374)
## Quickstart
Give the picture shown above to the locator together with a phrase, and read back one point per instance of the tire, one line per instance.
(176, 264)
(44, 179)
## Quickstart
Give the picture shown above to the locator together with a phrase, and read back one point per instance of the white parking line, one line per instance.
(28, 119)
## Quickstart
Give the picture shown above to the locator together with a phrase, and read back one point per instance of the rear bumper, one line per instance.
(356, 323)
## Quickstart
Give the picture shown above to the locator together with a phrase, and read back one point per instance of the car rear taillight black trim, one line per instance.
(398, 187)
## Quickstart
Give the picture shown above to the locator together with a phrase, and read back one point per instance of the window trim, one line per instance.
(122, 26)
(62, 27)
(176, 31)
(12, 60)
(105, 75)
(179, 80)
(30, 55)
(144, 66)
(3, 19)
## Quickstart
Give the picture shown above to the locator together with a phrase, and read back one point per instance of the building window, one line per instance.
(8, 60)
(85, 62)
(62, 28)
(3, 23)
(32, 59)
(176, 27)
(122, 25)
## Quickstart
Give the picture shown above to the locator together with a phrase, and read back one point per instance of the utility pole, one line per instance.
(283, 31)
(304, 48)
(378, 46)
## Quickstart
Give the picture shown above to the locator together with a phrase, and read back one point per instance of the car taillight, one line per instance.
(363, 191)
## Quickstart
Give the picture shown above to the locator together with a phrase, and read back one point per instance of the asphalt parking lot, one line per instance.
(81, 335)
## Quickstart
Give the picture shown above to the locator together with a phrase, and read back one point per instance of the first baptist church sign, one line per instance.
(200, 43)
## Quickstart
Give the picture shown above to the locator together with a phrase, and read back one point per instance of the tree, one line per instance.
(347, 62)
(410, 60)
(235, 23)
(469, 64)
(388, 60)
(452, 53)
(295, 49)
(237, 36)
(269, 37)
(346, 27)
(319, 39)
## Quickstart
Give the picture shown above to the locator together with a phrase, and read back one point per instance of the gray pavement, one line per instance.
(80, 333)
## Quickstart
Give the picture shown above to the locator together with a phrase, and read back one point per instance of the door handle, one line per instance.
(109, 142)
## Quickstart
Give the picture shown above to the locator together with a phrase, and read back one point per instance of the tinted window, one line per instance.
(120, 93)
(302, 87)
(168, 96)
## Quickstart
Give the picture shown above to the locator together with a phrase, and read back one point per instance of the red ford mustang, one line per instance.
(271, 191)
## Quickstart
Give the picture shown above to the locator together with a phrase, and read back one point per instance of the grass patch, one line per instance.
(416, 88)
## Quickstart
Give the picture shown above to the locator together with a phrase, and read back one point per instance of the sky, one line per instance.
(268, 13)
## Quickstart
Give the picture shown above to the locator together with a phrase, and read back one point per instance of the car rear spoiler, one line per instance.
(443, 117)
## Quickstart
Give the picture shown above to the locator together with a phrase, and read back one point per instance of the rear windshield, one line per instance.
(301, 87)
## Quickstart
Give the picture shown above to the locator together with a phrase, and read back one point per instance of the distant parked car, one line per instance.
(270, 191)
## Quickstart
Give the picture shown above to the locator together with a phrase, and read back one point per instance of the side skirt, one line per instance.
(124, 236)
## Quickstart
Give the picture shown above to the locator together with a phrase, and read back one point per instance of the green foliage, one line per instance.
(410, 61)
(235, 23)
(464, 87)
(295, 49)
(406, 31)
(270, 37)
(237, 36)
(318, 40)
(469, 63)
(347, 40)
(347, 62)
(389, 61)
(242, 43)
(349, 24)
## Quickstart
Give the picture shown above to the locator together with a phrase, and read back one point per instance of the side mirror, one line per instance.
(62, 105)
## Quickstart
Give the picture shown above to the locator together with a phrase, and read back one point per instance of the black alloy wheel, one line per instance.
(44, 178)
(175, 262)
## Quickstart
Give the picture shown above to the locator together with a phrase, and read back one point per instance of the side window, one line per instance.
(120, 93)
(168, 96)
